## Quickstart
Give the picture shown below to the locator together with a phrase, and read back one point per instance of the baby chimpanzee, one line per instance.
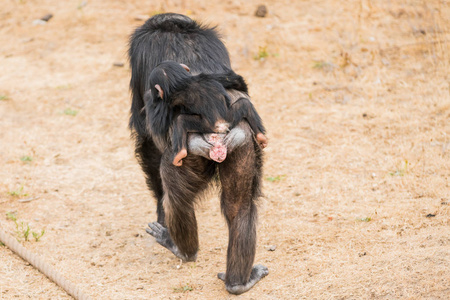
(195, 104)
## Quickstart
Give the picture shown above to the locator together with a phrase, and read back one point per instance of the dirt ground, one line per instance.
(356, 99)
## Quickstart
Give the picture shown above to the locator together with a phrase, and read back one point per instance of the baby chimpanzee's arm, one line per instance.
(244, 109)
(184, 124)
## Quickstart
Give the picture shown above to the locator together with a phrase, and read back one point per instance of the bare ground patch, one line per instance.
(356, 99)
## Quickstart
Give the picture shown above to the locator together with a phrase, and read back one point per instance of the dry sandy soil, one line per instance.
(356, 99)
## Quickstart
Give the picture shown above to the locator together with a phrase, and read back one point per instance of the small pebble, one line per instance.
(261, 11)
(27, 40)
(47, 17)
(271, 248)
(118, 64)
(38, 22)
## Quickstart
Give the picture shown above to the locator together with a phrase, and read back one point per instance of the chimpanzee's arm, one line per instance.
(228, 80)
(183, 125)
(244, 109)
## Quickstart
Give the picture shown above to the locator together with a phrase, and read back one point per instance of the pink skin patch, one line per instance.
(218, 151)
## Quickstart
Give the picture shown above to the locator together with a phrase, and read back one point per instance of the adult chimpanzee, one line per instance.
(178, 38)
(198, 103)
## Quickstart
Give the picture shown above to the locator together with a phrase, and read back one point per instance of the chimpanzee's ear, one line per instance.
(185, 67)
(160, 91)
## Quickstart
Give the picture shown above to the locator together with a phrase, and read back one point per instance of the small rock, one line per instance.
(118, 64)
(27, 40)
(108, 233)
(38, 22)
(271, 248)
(261, 11)
(47, 17)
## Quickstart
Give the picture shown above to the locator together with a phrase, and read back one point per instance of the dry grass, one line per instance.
(356, 98)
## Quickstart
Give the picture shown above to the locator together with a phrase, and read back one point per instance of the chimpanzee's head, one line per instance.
(167, 77)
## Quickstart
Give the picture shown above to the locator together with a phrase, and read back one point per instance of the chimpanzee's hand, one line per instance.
(262, 140)
(178, 160)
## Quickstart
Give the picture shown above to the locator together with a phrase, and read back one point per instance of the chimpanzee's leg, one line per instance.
(149, 158)
(240, 176)
(181, 187)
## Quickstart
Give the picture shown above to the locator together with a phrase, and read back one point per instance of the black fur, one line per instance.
(193, 103)
(170, 37)
(179, 39)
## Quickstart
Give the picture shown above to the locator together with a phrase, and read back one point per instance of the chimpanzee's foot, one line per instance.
(162, 236)
(258, 273)
(178, 160)
(262, 140)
